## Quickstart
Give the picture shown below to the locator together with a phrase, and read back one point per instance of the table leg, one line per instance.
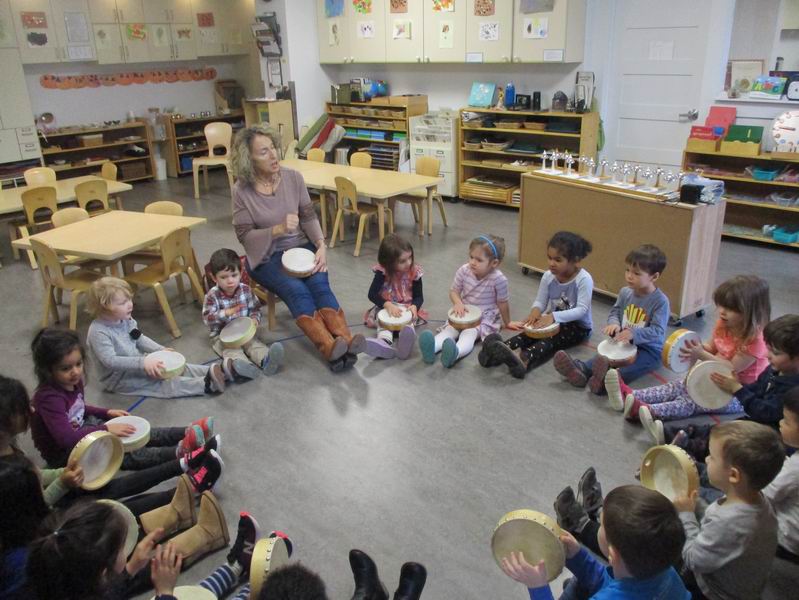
(323, 212)
(381, 218)
(430, 210)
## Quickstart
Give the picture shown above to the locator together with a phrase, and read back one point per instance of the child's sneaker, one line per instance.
(240, 367)
(285, 538)
(427, 346)
(589, 492)
(613, 388)
(215, 379)
(195, 459)
(193, 439)
(487, 357)
(206, 476)
(511, 358)
(207, 426)
(241, 551)
(632, 406)
(575, 371)
(379, 348)
(571, 515)
(273, 360)
(406, 341)
(449, 353)
(596, 383)
(653, 427)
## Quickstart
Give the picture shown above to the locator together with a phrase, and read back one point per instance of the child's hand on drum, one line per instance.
(72, 475)
(544, 321)
(459, 309)
(570, 545)
(392, 309)
(517, 325)
(692, 351)
(728, 383)
(121, 429)
(611, 330)
(153, 367)
(116, 412)
(518, 569)
(625, 335)
(165, 568)
(686, 503)
(234, 310)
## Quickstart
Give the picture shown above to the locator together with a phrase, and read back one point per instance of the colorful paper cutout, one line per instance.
(69, 82)
(33, 20)
(444, 5)
(363, 7)
(484, 8)
(399, 6)
(334, 8)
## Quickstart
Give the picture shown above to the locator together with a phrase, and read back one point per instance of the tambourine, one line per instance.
(298, 262)
(540, 333)
(701, 388)
(174, 362)
(238, 332)
(140, 438)
(671, 357)
(394, 323)
(192, 592)
(132, 537)
(268, 555)
(99, 454)
(669, 470)
(532, 533)
(619, 354)
(470, 319)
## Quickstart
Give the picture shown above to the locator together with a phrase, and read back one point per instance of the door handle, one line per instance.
(691, 115)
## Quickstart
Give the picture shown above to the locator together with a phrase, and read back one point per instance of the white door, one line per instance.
(108, 42)
(489, 37)
(156, 11)
(667, 65)
(405, 34)
(103, 11)
(130, 11)
(136, 41)
(209, 27)
(35, 32)
(159, 40)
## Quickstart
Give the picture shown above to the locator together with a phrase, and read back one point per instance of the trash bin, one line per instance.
(160, 169)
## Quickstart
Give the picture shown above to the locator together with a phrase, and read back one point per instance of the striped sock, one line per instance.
(243, 593)
(221, 581)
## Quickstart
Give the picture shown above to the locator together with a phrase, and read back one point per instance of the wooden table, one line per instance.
(377, 184)
(11, 198)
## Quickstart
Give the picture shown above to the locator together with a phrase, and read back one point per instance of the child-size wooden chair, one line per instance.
(217, 135)
(291, 150)
(347, 203)
(361, 159)
(92, 196)
(109, 173)
(153, 253)
(429, 166)
(38, 204)
(76, 282)
(316, 155)
(68, 216)
(269, 300)
(39, 176)
(319, 196)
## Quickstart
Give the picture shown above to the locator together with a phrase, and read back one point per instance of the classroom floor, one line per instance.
(403, 460)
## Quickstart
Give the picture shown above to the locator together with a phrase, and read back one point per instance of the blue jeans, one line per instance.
(647, 360)
(302, 296)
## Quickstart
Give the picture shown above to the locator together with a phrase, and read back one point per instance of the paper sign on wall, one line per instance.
(80, 53)
(208, 36)
(444, 5)
(33, 20)
(401, 29)
(484, 8)
(399, 6)
(205, 19)
(535, 28)
(136, 31)
(446, 37)
(489, 31)
(536, 6)
(160, 36)
(366, 29)
(77, 27)
(333, 32)
(553, 56)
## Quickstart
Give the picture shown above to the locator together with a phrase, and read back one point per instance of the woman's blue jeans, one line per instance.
(302, 296)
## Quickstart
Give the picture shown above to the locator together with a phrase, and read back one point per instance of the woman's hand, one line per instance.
(320, 259)
(393, 309)
(116, 412)
(165, 568)
(72, 475)
(518, 569)
(121, 429)
(153, 367)
(290, 225)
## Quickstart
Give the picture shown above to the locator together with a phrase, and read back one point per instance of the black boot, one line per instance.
(367, 582)
(412, 579)
(511, 358)
(487, 357)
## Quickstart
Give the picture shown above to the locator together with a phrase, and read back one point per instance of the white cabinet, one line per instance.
(489, 38)
(8, 38)
(33, 20)
(130, 11)
(108, 43)
(167, 11)
(435, 134)
(405, 34)
(135, 42)
(445, 33)
(18, 138)
(334, 41)
(171, 42)
(116, 11)
(9, 147)
(557, 36)
(221, 27)
(73, 30)
(367, 33)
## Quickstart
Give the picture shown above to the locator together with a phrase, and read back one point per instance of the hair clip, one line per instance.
(135, 334)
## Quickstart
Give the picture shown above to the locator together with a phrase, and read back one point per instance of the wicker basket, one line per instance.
(473, 124)
(534, 125)
(471, 145)
(356, 110)
(509, 124)
(496, 145)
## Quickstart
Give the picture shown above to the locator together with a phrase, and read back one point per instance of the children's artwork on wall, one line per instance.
(399, 6)
(446, 37)
(208, 35)
(33, 20)
(536, 6)
(489, 31)
(136, 31)
(535, 28)
(101, 38)
(36, 39)
(401, 29)
(363, 7)
(484, 8)
(333, 32)
(366, 29)
(334, 8)
(71, 82)
(444, 6)
(160, 36)
(184, 33)
(205, 19)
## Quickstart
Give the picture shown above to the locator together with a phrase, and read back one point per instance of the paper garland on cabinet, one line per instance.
(402, 29)
(334, 8)
(489, 31)
(363, 7)
(71, 82)
(444, 6)
(484, 8)
(399, 6)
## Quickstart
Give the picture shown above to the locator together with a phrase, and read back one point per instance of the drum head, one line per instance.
(532, 533)
(542, 332)
(100, 455)
(133, 526)
(138, 439)
(298, 261)
(671, 349)
(174, 362)
(238, 332)
(617, 351)
(669, 470)
(192, 592)
(471, 318)
(394, 323)
(702, 389)
(268, 555)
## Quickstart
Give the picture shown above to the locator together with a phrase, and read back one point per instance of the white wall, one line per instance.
(753, 31)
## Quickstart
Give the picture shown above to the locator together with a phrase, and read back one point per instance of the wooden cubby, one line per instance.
(182, 133)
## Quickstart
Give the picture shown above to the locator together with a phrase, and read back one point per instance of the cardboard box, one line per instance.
(702, 145)
(94, 139)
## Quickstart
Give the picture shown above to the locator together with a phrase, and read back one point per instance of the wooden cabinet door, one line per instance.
(367, 33)
(108, 43)
(210, 28)
(333, 34)
(180, 11)
(541, 37)
(130, 11)
(183, 40)
(159, 42)
(444, 33)
(103, 11)
(136, 41)
(405, 34)
(15, 105)
(489, 36)
(8, 37)
(74, 30)
(33, 20)
(156, 11)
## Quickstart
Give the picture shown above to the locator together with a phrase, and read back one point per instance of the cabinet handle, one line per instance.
(427, 59)
(505, 59)
(122, 53)
(418, 59)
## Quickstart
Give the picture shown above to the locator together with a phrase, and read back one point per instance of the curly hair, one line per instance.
(102, 293)
(241, 153)
(293, 582)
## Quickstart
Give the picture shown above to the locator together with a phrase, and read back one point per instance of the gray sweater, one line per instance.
(731, 553)
(783, 493)
(647, 316)
(115, 351)
(570, 301)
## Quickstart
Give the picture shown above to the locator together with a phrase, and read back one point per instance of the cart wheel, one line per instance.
(525, 271)
(700, 313)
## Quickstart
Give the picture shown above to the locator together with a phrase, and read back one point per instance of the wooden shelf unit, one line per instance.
(745, 216)
(395, 109)
(472, 161)
(179, 131)
(65, 144)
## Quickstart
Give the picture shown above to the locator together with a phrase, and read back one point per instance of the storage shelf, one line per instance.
(772, 205)
(523, 131)
(190, 137)
(371, 127)
(350, 115)
(480, 165)
(50, 151)
(96, 163)
(527, 113)
(757, 238)
(502, 152)
(766, 156)
(131, 125)
(142, 178)
(359, 139)
(749, 180)
(195, 150)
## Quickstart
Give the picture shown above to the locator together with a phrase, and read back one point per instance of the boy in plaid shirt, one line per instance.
(228, 300)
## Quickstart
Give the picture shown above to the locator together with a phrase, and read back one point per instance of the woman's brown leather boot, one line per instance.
(332, 348)
(337, 325)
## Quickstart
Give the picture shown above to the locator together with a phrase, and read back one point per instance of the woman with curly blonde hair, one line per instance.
(272, 213)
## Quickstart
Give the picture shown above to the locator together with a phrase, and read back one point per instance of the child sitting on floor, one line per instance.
(639, 316)
(641, 536)
(122, 351)
(228, 300)
(731, 551)
(564, 297)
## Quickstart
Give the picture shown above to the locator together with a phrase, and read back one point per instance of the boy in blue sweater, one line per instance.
(641, 535)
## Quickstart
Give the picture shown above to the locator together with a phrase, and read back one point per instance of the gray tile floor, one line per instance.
(404, 460)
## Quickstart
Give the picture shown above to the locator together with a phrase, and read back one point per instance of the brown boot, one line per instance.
(209, 534)
(337, 325)
(316, 331)
(176, 516)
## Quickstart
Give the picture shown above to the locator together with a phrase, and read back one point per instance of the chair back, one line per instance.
(176, 251)
(92, 195)
(316, 155)
(109, 171)
(39, 176)
(428, 166)
(164, 207)
(39, 204)
(347, 194)
(218, 134)
(291, 150)
(67, 216)
(361, 159)
(49, 265)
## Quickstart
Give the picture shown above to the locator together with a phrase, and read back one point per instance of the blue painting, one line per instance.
(334, 8)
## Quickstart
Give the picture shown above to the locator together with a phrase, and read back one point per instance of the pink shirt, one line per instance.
(727, 346)
(484, 293)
